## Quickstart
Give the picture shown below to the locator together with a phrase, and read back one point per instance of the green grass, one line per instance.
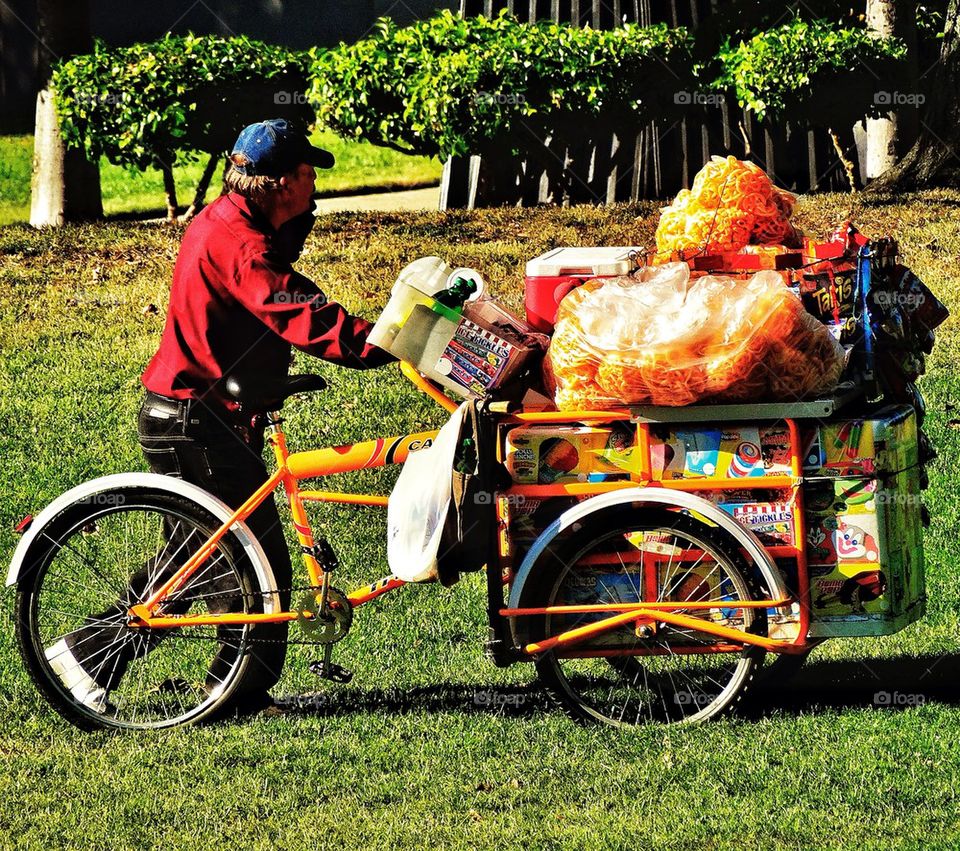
(410, 754)
(360, 167)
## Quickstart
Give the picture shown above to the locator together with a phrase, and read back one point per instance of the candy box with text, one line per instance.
(885, 440)
(713, 452)
(544, 454)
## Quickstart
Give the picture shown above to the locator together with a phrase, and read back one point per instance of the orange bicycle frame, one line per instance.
(291, 470)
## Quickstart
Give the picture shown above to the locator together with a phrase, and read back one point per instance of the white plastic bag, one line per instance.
(418, 505)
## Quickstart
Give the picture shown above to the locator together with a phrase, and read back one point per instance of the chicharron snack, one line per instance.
(657, 337)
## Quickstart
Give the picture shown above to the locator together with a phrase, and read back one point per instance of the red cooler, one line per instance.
(552, 275)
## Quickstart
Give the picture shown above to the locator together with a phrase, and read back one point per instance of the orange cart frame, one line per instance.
(293, 468)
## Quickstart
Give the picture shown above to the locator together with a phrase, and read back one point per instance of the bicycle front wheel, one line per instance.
(651, 670)
(93, 561)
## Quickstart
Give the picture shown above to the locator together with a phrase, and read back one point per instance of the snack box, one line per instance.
(551, 276)
(866, 554)
(842, 520)
(719, 452)
(884, 440)
(545, 454)
(472, 353)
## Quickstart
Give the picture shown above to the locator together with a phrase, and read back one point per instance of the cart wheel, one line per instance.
(651, 672)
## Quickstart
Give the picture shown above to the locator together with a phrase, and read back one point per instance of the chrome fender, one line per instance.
(651, 496)
(89, 490)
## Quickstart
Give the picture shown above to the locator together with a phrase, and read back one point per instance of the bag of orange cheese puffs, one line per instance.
(657, 337)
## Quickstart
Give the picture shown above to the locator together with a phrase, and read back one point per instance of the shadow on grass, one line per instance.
(513, 701)
(893, 684)
(889, 684)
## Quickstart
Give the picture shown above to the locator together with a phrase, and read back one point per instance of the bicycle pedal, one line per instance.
(330, 671)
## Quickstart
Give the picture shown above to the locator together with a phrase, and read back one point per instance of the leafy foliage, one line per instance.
(451, 86)
(162, 103)
(817, 70)
(454, 86)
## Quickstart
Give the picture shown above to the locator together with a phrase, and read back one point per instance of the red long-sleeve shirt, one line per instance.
(236, 305)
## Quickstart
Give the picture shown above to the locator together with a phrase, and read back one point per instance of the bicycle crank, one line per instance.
(329, 624)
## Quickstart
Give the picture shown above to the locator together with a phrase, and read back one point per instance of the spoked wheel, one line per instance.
(96, 559)
(650, 671)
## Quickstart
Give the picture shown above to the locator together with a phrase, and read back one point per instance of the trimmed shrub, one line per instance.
(817, 71)
(449, 86)
(166, 102)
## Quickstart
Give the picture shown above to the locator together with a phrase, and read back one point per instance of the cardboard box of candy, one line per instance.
(883, 441)
(866, 554)
(547, 454)
(768, 513)
(719, 452)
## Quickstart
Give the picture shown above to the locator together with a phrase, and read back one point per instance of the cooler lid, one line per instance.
(584, 261)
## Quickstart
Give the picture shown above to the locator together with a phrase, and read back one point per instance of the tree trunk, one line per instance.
(201, 193)
(169, 191)
(935, 156)
(64, 185)
(881, 132)
(845, 154)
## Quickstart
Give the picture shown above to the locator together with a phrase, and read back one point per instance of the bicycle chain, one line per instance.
(245, 595)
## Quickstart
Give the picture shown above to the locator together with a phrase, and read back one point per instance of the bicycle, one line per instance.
(641, 602)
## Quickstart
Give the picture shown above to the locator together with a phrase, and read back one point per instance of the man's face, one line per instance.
(300, 186)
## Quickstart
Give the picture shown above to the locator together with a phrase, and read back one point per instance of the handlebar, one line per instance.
(427, 386)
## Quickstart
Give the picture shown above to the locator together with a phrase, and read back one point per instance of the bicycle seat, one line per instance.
(261, 392)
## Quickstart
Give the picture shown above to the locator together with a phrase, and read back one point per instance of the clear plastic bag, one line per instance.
(419, 504)
(656, 337)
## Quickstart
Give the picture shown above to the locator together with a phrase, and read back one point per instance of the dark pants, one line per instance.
(210, 447)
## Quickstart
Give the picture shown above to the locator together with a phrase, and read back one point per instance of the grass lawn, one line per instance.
(360, 167)
(430, 746)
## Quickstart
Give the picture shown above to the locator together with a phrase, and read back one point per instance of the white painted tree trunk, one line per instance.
(47, 186)
(882, 133)
(65, 187)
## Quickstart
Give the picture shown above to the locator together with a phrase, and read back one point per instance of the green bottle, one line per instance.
(456, 294)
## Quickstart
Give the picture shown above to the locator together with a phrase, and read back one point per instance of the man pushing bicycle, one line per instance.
(236, 308)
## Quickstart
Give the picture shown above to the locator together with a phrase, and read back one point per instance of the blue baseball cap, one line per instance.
(275, 147)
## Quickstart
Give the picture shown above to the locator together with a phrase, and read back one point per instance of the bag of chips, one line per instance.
(656, 337)
(731, 204)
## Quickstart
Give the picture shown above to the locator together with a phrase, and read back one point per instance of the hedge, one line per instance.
(448, 86)
(166, 102)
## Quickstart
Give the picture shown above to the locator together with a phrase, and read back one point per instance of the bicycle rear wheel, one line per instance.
(92, 562)
(654, 671)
